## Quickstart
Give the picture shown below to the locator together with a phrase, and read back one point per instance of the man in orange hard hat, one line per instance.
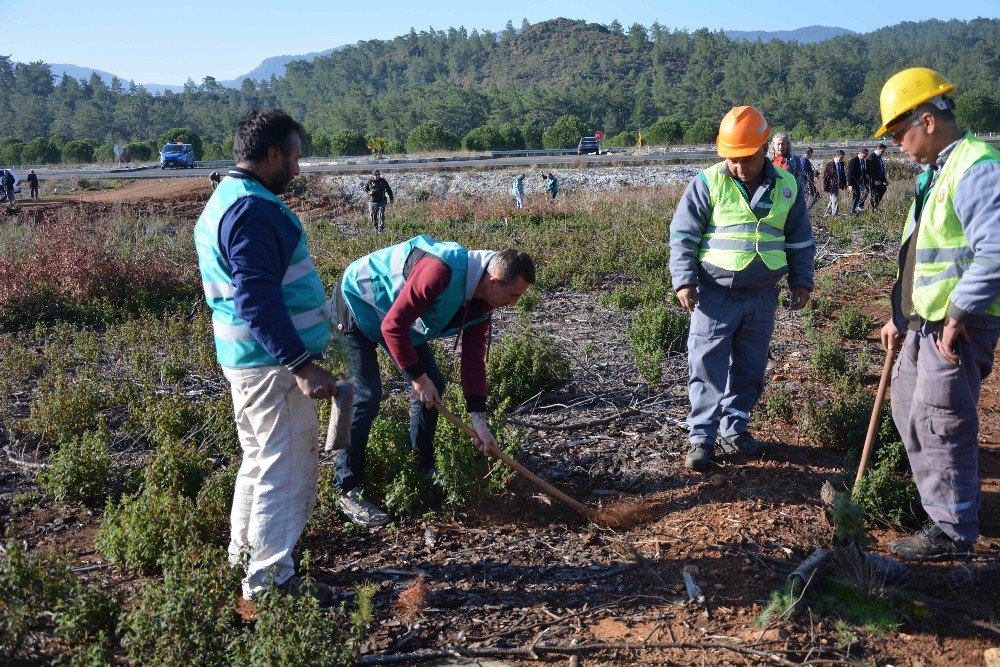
(740, 226)
(946, 303)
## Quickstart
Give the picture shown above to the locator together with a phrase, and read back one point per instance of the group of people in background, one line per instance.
(549, 180)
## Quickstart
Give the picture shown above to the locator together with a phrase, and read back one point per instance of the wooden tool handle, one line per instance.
(520, 469)
(873, 425)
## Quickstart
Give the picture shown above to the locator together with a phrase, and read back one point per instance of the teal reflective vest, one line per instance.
(372, 283)
(735, 236)
(301, 286)
(943, 252)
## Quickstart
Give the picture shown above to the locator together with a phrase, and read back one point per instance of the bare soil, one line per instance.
(521, 571)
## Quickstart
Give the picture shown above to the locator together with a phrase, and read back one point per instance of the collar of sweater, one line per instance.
(478, 260)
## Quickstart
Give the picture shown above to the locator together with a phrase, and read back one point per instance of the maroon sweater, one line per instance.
(427, 280)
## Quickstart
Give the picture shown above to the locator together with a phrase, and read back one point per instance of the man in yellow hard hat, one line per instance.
(740, 226)
(945, 304)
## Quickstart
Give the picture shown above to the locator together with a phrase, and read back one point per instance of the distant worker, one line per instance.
(739, 227)
(517, 189)
(809, 178)
(783, 157)
(946, 304)
(878, 178)
(857, 180)
(9, 182)
(834, 180)
(269, 315)
(214, 179)
(400, 298)
(377, 189)
(552, 185)
(33, 184)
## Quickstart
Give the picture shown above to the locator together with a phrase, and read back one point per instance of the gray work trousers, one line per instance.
(934, 406)
(376, 210)
(727, 356)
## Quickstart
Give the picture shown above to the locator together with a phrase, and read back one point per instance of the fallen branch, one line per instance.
(534, 651)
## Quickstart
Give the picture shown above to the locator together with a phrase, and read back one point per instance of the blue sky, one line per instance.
(167, 41)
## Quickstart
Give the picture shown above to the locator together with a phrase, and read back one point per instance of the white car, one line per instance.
(17, 187)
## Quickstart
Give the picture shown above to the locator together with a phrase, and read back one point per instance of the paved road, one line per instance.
(432, 164)
(349, 166)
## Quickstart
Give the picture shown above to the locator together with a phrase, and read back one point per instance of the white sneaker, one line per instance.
(358, 510)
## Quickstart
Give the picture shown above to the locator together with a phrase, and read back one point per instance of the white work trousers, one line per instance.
(276, 485)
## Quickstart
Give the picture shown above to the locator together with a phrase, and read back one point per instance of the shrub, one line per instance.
(146, 528)
(522, 366)
(40, 151)
(702, 131)
(654, 331)
(11, 151)
(853, 324)
(664, 131)
(827, 359)
(463, 473)
(183, 135)
(840, 423)
(215, 500)
(326, 511)
(392, 477)
(531, 134)
(622, 140)
(79, 152)
(188, 617)
(348, 142)
(78, 470)
(529, 300)
(177, 467)
(564, 133)
(482, 138)
(104, 153)
(778, 406)
(430, 136)
(295, 631)
(64, 409)
(138, 151)
(887, 492)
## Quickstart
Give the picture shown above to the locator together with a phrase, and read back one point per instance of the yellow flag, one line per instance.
(639, 143)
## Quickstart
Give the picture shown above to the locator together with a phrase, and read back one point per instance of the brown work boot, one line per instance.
(929, 543)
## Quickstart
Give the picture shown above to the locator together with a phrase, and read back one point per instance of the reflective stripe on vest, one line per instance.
(372, 283)
(943, 252)
(735, 236)
(301, 287)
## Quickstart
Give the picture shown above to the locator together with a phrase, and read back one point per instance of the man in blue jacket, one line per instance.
(269, 319)
(740, 226)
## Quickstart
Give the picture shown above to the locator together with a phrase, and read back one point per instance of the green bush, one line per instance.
(392, 477)
(702, 131)
(64, 409)
(11, 150)
(326, 511)
(887, 492)
(104, 153)
(431, 136)
(663, 132)
(295, 631)
(78, 470)
(827, 359)
(622, 140)
(778, 406)
(215, 500)
(522, 366)
(463, 473)
(183, 135)
(564, 133)
(177, 467)
(483, 138)
(144, 529)
(840, 423)
(40, 151)
(853, 324)
(138, 151)
(189, 617)
(79, 152)
(654, 331)
(347, 142)
(529, 300)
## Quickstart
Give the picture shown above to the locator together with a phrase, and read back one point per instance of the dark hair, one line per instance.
(809, 150)
(510, 264)
(259, 131)
(840, 153)
(880, 147)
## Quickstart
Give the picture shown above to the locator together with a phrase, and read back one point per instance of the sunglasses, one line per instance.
(898, 130)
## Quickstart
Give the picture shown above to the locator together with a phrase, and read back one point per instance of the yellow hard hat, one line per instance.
(906, 90)
(742, 132)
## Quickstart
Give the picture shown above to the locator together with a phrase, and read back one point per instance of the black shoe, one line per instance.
(296, 586)
(741, 443)
(929, 543)
(699, 457)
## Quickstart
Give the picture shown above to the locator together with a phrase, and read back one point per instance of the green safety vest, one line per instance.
(735, 236)
(943, 252)
(372, 283)
(301, 287)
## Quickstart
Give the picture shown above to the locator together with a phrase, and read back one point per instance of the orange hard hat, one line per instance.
(742, 132)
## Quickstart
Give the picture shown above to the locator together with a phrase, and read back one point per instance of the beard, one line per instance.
(282, 178)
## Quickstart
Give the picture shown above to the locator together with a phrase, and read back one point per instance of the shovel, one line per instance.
(588, 512)
(873, 425)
